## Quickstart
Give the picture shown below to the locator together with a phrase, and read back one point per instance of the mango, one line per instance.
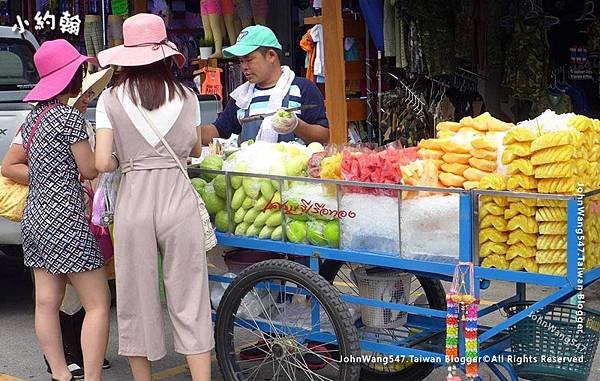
(266, 232)
(238, 198)
(262, 218)
(251, 216)
(236, 181)
(248, 203)
(274, 220)
(277, 233)
(238, 217)
(241, 229)
(252, 231)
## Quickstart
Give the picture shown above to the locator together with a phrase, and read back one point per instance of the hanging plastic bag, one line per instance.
(105, 198)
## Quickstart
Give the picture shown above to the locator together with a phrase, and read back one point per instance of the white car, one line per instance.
(17, 76)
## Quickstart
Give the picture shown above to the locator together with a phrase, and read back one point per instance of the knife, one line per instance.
(263, 116)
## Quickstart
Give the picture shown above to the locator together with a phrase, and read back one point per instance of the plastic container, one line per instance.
(554, 334)
(387, 286)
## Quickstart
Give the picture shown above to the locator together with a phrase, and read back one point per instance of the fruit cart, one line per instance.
(314, 315)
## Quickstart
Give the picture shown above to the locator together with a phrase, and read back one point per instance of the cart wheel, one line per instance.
(425, 292)
(264, 329)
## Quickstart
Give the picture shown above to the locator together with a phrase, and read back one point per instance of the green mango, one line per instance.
(261, 203)
(251, 216)
(251, 186)
(248, 202)
(277, 169)
(276, 197)
(262, 218)
(275, 219)
(236, 181)
(267, 189)
(241, 229)
(238, 198)
(238, 217)
(252, 231)
(266, 232)
(277, 233)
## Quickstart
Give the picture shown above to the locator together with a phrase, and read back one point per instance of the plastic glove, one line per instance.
(284, 122)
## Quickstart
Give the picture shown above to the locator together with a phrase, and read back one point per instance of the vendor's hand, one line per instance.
(284, 122)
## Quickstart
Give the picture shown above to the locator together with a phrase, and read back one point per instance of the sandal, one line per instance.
(320, 355)
(255, 352)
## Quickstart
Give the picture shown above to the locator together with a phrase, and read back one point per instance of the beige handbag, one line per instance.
(210, 240)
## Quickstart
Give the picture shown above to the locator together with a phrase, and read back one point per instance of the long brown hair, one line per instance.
(146, 84)
(74, 87)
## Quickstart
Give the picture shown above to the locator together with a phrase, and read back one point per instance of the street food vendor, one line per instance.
(270, 87)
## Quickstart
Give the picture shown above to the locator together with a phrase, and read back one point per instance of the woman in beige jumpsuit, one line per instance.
(156, 208)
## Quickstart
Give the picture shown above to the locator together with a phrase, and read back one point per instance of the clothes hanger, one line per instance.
(588, 12)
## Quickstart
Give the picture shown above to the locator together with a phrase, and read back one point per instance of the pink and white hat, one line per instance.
(56, 61)
(145, 42)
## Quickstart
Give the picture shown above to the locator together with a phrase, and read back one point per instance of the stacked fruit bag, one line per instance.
(562, 164)
(520, 213)
(381, 166)
(590, 128)
(423, 173)
(465, 151)
(484, 159)
(493, 235)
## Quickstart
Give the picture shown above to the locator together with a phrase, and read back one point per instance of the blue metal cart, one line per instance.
(280, 319)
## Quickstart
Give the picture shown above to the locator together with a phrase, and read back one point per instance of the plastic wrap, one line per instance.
(375, 166)
(105, 198)
(430, 228)
(375, 225)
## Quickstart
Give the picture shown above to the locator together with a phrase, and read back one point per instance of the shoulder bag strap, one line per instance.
(36, 125)
(164, 142)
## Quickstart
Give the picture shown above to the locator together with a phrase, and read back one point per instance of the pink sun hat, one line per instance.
(145, 42)
(56, 61)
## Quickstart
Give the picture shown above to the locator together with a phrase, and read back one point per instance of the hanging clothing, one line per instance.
(560, 104)
(308, 45)
(444, 111)
(435, 30)
(212, 81)
(316, 33)
(391, 29)
(527, 58)
(465, 30)
(157, 210)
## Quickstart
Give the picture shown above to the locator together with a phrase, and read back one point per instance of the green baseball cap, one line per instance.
(250, 39)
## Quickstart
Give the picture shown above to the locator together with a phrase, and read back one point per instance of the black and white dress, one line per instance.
(56, 234)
